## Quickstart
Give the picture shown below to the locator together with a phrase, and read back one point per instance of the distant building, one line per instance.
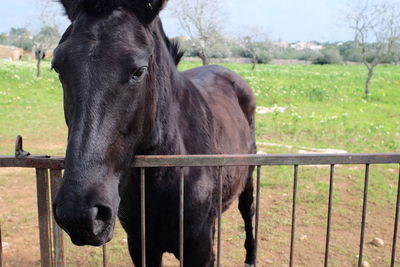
(307, 45)
(11, 52)
(281, 44)
(183, 38)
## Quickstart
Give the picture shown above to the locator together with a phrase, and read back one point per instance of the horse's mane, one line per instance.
(100, 7)
(107, 6)
(172, 45)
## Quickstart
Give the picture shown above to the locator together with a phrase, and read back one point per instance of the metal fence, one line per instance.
(51, 236)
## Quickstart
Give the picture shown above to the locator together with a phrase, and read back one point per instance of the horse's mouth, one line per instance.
(93, 240)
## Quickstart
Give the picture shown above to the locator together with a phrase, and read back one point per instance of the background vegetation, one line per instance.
(324, 105)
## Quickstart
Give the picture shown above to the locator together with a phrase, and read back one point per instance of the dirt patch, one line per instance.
(20, 231)
(305, 150)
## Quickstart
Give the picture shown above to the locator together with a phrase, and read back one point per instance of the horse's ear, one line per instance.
(70, 7)
(149, 9)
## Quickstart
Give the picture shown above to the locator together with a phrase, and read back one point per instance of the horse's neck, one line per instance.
(165, 137)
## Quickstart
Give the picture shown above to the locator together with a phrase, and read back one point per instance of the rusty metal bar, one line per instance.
(293, 232)
(220, 190)
(217, 160)
(43, 203)
(1, 249)
(256, 160)
(58, 236)
(181, 216)
(54, 163)
(258, 188)
(143, 214)
(364, 215)
(105, 258)
(329, 219)
(396, 224)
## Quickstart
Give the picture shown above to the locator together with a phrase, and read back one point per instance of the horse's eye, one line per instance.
(139, 73)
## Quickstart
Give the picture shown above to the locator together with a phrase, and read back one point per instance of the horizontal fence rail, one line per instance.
(47, 162)
(52, 252)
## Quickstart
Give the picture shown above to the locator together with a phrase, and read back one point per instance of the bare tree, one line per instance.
(44, 41)
(201, 21)
(376, 28)
(48, 35)
(256, 45)
(49, 14)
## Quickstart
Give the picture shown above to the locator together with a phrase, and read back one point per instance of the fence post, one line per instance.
(43, 202)
(58, 237)
(293, 232)
(105, 258)
(1, 249)
(143, 214)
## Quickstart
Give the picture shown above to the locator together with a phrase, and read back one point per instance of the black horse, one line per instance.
(123, 96)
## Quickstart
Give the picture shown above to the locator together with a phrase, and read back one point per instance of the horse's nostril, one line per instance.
(101, 218)
(93, 213)
(101, 213)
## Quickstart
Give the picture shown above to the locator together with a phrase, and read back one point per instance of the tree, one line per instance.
(21, 37)
(49, 34)
(256, 46)
(396, 53)
(308, 55)
(376, 30)
(350, 51)
(49, 13)
(3, 38)
(44, 41)
(200, 19)
(328, 55)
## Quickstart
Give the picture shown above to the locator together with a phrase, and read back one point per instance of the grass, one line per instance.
(31, 107)
(326, 108)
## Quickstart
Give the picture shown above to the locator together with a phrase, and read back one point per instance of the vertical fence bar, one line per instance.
(220, 190)
(143, 214)
(258, 186)
(58, 237)
(293, 232)
(396, 224)
(105, 258)
(1, 249)
(329, 219)
(181, 216)
(364, 215)
(43, 203)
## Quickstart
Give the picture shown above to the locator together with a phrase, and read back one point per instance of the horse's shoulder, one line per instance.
(213, 78)
(208, 71)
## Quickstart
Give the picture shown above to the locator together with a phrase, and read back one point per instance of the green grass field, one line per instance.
(324, 108)
(325, 105)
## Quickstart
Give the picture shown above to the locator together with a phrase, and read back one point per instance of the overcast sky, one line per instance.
(286, 20)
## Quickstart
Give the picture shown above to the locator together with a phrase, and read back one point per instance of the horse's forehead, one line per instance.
(118, 24)
(115, 37)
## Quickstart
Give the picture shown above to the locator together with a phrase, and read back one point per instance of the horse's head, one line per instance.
(103, 61)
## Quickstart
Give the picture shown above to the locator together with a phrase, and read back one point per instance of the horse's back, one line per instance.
(232, 103)
(213, 77)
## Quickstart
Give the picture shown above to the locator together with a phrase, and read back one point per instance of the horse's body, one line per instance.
(207, 120)
(207, 110)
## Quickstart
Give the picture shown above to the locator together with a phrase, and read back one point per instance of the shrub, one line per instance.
(328, 56)
(264, 57)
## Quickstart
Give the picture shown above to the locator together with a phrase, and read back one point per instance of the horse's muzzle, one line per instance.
(91, 226)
